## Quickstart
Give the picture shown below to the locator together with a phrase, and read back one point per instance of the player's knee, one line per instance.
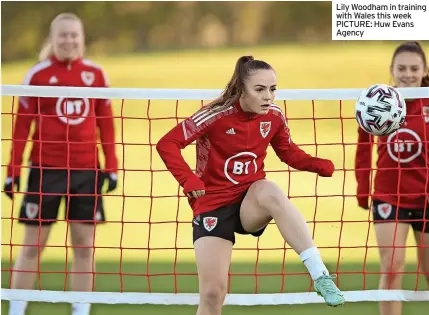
(389, 265)
(271, 197)
(35, 239)
(32, 251)
(391, 270)
(82, 252)
(82, 240)
(213, 295)
(81, 248)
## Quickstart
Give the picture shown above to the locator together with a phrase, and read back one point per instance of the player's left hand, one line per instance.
(11, 185)
(112, 178)
(194, 187)
(325, 168)
(196, 193)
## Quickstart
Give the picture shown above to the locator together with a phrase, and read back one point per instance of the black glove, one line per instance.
(11, 185)
(113, 181)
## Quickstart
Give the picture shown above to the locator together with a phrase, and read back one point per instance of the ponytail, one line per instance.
(233, 90)
(240, 65)
(46, 51)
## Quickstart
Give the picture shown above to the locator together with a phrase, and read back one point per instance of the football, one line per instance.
(380, 110)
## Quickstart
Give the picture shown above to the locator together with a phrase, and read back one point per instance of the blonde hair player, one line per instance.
(229, 192)
(64, 158)
(400, 197)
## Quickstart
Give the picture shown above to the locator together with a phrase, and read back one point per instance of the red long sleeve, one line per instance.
(27, 110)
(175, 140)
(290, 153)
(106, 127)
(363, 163)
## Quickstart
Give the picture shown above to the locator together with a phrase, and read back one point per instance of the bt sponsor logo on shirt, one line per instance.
(243, 163)
(404, 146)
(72, 111)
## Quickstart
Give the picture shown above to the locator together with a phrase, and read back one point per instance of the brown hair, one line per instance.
(47, 48)
(244, 67)
(413, 47)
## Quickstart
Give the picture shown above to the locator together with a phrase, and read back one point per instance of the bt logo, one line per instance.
(243, 163)
(404, 145)
(72, 111)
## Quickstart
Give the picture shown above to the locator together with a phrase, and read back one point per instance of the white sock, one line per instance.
(81, 308)
(17, 307)
(312, 260)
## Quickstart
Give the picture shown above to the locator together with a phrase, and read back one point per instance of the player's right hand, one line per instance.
(194, 187)
(325, 168)
(363, 202)
(11, 185)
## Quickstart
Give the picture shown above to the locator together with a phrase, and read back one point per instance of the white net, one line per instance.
(264, 271)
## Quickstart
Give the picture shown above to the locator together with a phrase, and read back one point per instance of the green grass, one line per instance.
(270, 280)
(328, 66)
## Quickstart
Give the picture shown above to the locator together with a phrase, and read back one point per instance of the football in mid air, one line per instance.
(380, 110)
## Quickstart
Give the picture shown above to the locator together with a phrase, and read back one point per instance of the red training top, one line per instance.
(402, 166)
(65, 132)
(231, 148)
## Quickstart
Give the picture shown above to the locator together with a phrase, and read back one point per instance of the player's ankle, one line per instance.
(312, 260)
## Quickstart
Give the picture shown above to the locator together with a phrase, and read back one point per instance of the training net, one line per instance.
(144, 253)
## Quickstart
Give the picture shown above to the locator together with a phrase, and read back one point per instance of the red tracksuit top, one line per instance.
(402, 166)
(65, 133)
(231, 148)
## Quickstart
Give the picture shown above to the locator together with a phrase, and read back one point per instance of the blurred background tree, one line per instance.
(129, 27)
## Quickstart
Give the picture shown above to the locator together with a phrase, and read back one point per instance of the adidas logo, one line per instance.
(231, 131)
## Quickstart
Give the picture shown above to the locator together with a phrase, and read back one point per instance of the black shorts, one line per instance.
(222, 222)
(78, 190)
(384, 212)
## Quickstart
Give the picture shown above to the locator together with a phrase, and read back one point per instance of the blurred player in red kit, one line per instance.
(401, 180)
(229, 193)
(64, 158)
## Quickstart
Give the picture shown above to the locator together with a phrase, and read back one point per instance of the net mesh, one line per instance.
(144, 254)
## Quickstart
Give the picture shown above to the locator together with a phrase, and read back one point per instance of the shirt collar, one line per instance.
(69, 63)
(242, 113)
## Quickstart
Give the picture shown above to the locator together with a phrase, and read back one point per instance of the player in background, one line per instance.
(401, 181)
(64, 158)
(229, 193)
